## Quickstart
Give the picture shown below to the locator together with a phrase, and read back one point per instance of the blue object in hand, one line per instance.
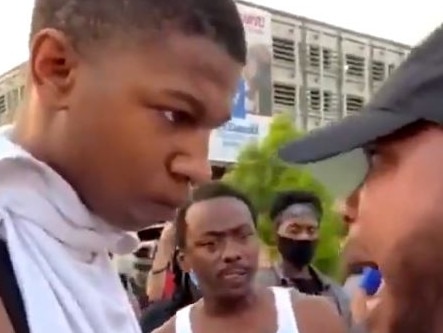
(371, 280)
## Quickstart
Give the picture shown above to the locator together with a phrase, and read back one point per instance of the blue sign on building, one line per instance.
(239, 103)
(240, 129)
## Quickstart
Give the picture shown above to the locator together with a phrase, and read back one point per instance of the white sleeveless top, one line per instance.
(286, 321)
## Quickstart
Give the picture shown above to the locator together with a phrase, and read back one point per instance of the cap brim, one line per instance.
(352, 132)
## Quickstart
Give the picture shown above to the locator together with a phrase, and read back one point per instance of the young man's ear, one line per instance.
(183, 262)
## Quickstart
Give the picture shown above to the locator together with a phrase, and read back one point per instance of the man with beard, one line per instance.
(216, 234)
(121, 99)
(390, 157)
(296, 216)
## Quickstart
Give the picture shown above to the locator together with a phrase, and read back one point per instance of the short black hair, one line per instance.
(212, 190)
(288, 198)
(87, 22)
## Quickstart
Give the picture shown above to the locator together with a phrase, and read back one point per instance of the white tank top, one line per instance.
(286, 321)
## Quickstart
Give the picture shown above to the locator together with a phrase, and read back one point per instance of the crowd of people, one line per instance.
(296, 216)
(218, 252)
(122, 97)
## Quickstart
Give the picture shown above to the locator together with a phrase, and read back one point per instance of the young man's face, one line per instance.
(221, 247)
(353, 252)
(398, 220)
(297, 234)
(130, 124)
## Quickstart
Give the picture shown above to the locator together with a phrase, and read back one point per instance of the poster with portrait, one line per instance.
(257, 78)
(252, 105)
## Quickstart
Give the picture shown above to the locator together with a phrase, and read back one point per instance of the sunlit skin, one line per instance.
(129, 132)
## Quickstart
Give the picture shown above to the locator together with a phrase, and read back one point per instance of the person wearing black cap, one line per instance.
(297, 216)
(391, 157)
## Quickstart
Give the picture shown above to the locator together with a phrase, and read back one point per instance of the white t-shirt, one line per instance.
(286, 321)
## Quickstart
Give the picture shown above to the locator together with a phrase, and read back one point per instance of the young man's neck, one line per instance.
(30, 132)
(227, 306)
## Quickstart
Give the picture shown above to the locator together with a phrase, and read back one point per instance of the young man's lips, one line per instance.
(235, 278)
(234, 274)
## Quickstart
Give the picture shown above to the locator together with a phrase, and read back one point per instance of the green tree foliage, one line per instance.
(261, 175)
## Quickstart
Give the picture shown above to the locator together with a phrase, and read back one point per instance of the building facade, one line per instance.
(12, 93)
(320, 73)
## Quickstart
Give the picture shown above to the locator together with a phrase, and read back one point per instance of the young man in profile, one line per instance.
(395, 147)
(122, 96)
(218, 242)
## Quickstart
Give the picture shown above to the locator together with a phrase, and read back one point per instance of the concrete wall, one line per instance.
(321, 73)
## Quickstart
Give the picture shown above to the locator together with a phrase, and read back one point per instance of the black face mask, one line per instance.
(297, 252)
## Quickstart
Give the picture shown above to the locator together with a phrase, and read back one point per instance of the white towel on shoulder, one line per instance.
(59, 251)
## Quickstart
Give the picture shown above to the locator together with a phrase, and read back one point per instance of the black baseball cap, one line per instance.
(412, 93)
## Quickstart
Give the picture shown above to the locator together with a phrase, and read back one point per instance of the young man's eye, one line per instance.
(179, 117)
(246, 235)
(211, 246)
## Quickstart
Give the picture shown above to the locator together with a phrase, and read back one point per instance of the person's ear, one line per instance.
(183, 261)
(53, 65)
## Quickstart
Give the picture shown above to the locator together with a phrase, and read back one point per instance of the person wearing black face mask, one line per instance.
(296, 216)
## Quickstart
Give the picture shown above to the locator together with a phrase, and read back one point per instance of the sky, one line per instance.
(391, 19)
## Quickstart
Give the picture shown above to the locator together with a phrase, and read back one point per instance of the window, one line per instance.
(314, 54)
(327, 102)
(321, 100)
(283, 50)
(314, 99)
(284, 95)
(2, 104)
(319, 55)
(327, 58)
(354, 103)
(355, 65)
(378, 71)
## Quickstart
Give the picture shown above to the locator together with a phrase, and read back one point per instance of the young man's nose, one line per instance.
(232, 252)
(196, 170)
(193, 163)
(348, 208)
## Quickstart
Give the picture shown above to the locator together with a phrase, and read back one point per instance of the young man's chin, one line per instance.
(148, 214)
(238, 292)
(414, 280)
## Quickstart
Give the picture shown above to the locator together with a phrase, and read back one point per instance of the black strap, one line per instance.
(10, 293)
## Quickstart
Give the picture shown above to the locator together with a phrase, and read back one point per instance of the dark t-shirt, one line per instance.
(160, 312)
(10, 293)
(157, 314)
